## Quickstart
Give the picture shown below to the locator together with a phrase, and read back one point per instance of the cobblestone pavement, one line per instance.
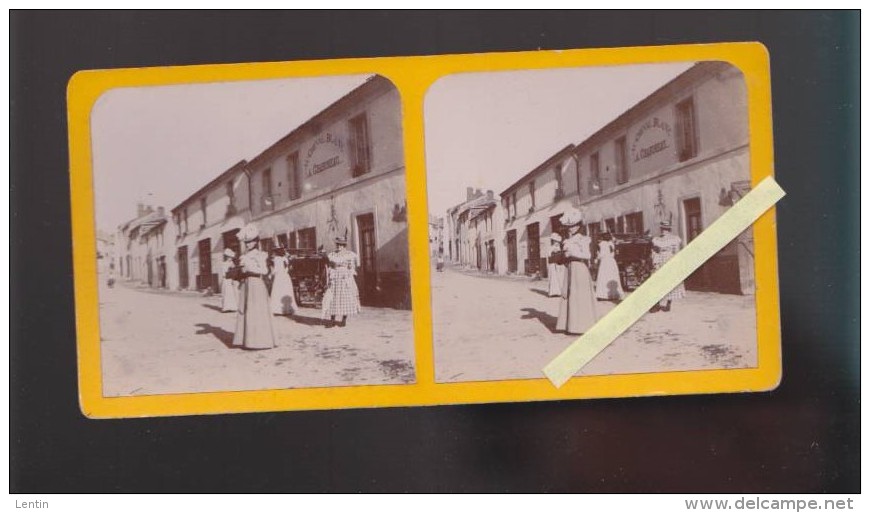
(163, 342)
(491, 327)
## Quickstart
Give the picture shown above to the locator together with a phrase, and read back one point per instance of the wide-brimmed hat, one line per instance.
(229, 253)
(572, 217)
(555, 237)
(249, 233)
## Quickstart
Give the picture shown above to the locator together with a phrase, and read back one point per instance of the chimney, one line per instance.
(469, 193)
(161, 212)
(489, 194)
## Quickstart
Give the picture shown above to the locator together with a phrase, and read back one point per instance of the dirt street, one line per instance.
(156, 342)
(496, 327)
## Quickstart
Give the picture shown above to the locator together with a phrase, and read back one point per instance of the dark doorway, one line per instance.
(231, 241)
(183, 274)
(204, 278)
(698, 280)
(533, 232)
(512, 251)
(161, 272)
(490, 255)
(367, 249)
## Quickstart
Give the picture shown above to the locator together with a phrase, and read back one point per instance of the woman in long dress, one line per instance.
(229, 286)
(555, 267)
(608, 285)
(577, 308)
(283, 301)
(254, 322)
(665, 246)
(341, 297)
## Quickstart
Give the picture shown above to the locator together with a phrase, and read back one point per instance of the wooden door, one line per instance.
(204, 247)
(183, 276)
(534, 249)
(693, 228)
(367, 255)
(512, 251)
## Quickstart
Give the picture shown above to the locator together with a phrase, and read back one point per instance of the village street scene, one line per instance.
(528, 258)
(190, 348)
(704, 331)
(285, 265)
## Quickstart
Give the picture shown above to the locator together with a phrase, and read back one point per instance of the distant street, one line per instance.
(157, 342)
(497, 327)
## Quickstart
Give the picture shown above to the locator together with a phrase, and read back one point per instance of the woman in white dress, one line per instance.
(555, 266)
(665, 246)
(229, 286)
(283, 300)
(608, 285)
(341, 298)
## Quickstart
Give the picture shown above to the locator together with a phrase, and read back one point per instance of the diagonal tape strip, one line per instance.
(734, 221)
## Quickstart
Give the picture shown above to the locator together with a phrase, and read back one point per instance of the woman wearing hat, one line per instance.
(577, 308)
(254, 322)
(555, 266)
(229, 287)
(283, 300)
(664, 247)
(341, 297)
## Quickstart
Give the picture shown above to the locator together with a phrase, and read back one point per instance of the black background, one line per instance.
(803, 437)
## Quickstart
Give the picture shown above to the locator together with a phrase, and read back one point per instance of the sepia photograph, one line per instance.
(554, 194)
(252, 235)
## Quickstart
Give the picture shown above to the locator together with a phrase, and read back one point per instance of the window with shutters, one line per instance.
(360, 145)
(687, 130)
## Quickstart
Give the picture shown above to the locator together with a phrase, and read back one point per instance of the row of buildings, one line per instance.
(681, 154)
(341, 173)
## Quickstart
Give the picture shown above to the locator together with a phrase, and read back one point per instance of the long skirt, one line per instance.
(608, 285)
(283, 301)
(678, 292)
(229, 295)
(577, 308)
(254, 322)
(341, 296)
(556, 275)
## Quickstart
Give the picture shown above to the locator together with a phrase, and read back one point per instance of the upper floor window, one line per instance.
(202, 205)
(184, 219)
(268, 203)
(360, 145)
(621, 159)
(294, 176)
(532, 194)
(560, 189)
(594, 174)
(514, 200)
(687, 130)
(231, 199)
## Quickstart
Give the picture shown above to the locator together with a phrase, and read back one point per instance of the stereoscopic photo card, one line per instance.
(415, 231)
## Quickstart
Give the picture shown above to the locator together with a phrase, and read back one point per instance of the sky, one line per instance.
(159, 145)
(487, 130)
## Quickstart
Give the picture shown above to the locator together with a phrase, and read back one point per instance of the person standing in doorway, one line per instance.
(229, 286)
(664, 247)
(341, 298)
(577, 308)
(254, 322)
